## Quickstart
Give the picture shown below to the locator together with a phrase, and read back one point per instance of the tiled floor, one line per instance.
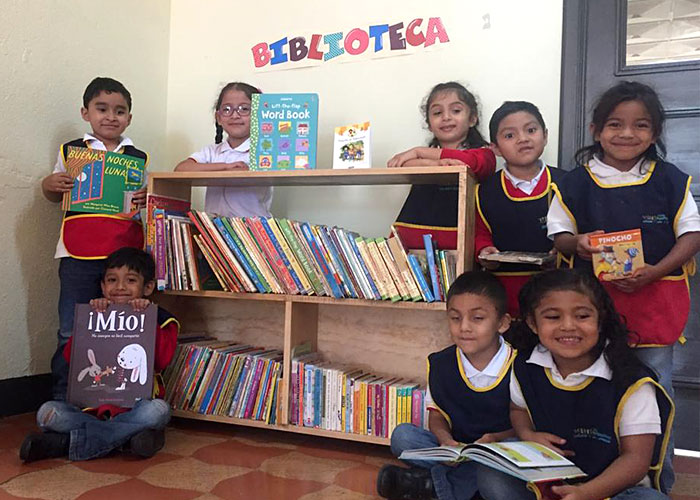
(206, 461)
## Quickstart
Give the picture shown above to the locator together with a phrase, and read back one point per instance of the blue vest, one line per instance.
(471, 411)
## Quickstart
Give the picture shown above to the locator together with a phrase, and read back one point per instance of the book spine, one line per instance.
(383, 271)
(306, 249)
(399, 256)
(238, 255)
(245, 256)
(256, 253)
(345, 263)
(351, 238)
(342, 282)
(392, 268)
(295, 245)
(320, 260)
(354, 265)
(372, 267)
(422, 283)
(306, 286)
(282, 256)
(159, 249)
(199, 219)
(432, 268)
(273, 258)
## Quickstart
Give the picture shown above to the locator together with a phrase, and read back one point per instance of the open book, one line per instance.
(531, 462)
(534, 258)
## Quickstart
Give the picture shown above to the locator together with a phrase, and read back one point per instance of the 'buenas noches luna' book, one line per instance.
(104, 181)
(112, 356)
(283, 131)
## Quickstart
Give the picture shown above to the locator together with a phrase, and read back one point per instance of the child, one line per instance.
(624, 183)
(467, 393)
(452, 115)
(232, 115)
(87, 239)
(578, 388)
(82, 435)
(512, 205)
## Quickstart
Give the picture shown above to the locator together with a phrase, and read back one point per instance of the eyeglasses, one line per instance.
(242, 110)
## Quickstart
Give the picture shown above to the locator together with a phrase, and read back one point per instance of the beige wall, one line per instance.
(49, 52)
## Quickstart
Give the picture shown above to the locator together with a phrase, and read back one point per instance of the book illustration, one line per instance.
(95, 371)
(133, 357)
(534, 258)
(104, 181)
(621, 254)
(351, 146)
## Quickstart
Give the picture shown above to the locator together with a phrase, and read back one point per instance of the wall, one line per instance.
(49, 52)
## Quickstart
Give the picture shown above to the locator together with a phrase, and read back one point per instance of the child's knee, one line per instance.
(158, 413)
(402, 434)
(48, 414)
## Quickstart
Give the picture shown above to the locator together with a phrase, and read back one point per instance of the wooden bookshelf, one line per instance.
(382, 336)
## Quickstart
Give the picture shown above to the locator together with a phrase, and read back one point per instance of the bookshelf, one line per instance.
(382, 336)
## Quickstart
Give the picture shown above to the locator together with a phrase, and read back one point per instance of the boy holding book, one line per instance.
(467, 397)
(87, 239)
(94, 432)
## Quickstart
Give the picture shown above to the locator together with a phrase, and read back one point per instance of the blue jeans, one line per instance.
(496, 485)
(451, 483)
(80, 283)
(93, 438)
(660, 359)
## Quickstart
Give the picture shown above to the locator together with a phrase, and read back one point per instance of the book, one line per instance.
(526, 460)
(104, 181)
(166, 204)
(534, 258)
(621, 254)
(432, 266)
(351, 146)
(112, 356)
(283, 131)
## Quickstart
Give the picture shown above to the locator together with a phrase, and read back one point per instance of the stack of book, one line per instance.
(214, 377)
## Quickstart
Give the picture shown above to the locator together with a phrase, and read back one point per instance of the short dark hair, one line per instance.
(508, 108)
(104, 84)
(135, 260)
(480, 283)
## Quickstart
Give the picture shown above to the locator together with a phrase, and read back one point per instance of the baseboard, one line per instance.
(24, 394)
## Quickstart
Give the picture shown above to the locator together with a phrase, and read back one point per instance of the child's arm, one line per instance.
(576, 244)
(438, 425)
(481, 161)
(53, 186)
(189, 165)
(495, 437)
(522, 425)
(415, 157)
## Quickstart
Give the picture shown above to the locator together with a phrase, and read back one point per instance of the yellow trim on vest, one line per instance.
(563, 205)
(506, 367)
(571, 388)
(168, 321)
(478, 208)
(534, 489)
(419, 226)
(527, 198)
(680, 207)
(643, 180)
(515, 273)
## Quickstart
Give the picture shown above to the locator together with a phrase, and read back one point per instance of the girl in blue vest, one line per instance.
(578, 388)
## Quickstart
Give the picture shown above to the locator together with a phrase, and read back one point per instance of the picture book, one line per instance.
(535, 258)
(112, 356)
(351, 146)
(621, 254)
(167, 204)
(283, 131)
(104, 182)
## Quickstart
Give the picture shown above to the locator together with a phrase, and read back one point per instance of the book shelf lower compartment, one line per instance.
(311, 431)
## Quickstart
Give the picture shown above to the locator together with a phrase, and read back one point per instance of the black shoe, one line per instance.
(147, 443)
(44, 445)
(399, 483)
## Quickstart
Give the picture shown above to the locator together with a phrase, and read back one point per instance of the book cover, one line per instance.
(283, 131)
(112, 356)
(104, 181)
(166, 205)
(511, 256)
(621, 254)
(352, 146)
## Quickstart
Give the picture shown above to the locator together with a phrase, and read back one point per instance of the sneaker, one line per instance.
(44, 445)
(399, 483)
(147, 443)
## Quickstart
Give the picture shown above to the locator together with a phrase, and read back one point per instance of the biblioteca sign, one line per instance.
(379, 40)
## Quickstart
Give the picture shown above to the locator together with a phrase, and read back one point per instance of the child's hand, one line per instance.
(640, 278)
(398, 160)
(448, 162)
(487, 438)
(139, 304)
(449, 442)
(570, 492)
(487, 251)
(100, 305)
(59, 182)
(551, 441)
(139, 198)
(584, 249)
(236, 165)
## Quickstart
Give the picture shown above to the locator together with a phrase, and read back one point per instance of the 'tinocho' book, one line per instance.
(104, 181)
(283, 130)
(351, 146)
(112, 356)
(621, 254)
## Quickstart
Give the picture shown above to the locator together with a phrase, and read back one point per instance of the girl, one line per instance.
(452, 115)
(232, 115)
(512, 205)
(624, 183)
(578, 388)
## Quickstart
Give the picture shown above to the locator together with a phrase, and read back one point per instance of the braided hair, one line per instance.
(248, 90)
(474, 139)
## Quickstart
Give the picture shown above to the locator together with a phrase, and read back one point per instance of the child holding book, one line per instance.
(624, 183)
(467, 394)
(452, 115)
(512, 205)
(231, 115)
(87, 239)
(579, 389)
(83, 434)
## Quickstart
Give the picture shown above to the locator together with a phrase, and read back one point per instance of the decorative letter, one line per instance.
(261, 55)
(376, 32)
(297, 48)
(314, 53)
(278, 53)
(412, 37)
(396, 41)
(356, 35)
(334, 48)
(435, 30)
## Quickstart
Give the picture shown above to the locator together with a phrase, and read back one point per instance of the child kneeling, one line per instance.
(467, 394)
(92, 433)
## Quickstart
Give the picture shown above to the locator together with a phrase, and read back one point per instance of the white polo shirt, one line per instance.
(231, 201)
(523, 185)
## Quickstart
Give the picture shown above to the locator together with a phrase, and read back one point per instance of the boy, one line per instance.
(467, 397)
(87, 239)
(512, 205)
(82, 435)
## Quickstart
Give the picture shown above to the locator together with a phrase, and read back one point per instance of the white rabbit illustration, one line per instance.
(133, 357)
(93, 370)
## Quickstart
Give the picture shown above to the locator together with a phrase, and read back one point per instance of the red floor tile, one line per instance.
(11, 466)
(258, 485)
(237, 453)
(137, 489)
(127, 465)
(362, 479)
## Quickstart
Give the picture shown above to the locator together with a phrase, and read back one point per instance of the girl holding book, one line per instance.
(231, 115)
(452, 115)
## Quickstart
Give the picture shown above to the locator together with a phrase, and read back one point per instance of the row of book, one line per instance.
(214, 377)
(273, 255)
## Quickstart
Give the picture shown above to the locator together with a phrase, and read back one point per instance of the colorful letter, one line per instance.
(297, 48)
(376, 32)
(412, 37)
(334, 48)
(261, 54)
(396, 41)
(435, 30)
(314, 53)
(278, 55)
(356, 35)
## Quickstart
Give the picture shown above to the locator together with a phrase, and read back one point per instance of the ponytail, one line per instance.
(219, 133)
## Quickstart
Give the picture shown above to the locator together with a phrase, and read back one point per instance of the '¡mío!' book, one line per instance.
(104, 181)
(620, 254)
(112, 356)
(283, 131)
(351, 146)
